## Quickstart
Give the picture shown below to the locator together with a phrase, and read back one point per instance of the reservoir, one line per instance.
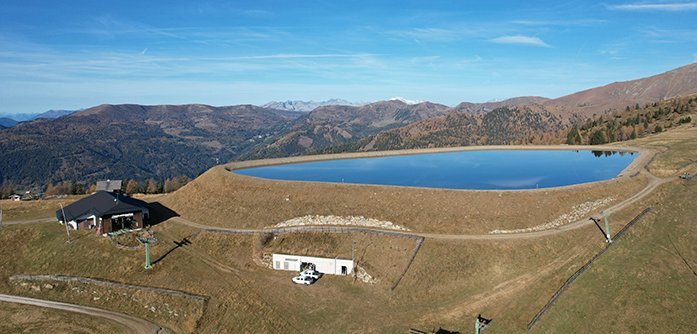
(482, 170)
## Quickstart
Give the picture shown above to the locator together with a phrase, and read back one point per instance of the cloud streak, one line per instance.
(521, 40)
(667, 7)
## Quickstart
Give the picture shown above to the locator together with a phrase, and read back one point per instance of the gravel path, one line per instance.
(132, 324)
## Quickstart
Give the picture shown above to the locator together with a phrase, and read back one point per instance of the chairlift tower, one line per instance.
(146, 241)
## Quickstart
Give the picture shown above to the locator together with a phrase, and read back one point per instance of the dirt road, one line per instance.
(132, 324)
(29, 221)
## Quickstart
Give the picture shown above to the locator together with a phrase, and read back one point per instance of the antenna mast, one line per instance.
(65, 222)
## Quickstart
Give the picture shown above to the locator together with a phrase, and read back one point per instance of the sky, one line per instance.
(78, 54)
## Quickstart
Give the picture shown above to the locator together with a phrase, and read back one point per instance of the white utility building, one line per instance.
(332, 266)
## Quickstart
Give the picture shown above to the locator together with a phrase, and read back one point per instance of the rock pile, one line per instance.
(363, 276)
(577, 213)
(313, 220)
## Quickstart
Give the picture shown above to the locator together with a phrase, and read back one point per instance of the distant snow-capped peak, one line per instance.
(306, 106)
(401, 99)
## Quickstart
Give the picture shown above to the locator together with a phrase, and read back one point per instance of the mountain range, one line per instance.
(306, 106)
(9, 120)
(124, 141)
(162, 141)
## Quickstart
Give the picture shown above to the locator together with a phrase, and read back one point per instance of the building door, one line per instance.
(344, 270)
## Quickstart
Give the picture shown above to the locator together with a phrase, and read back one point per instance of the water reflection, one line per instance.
(503, 169)
(599, 154)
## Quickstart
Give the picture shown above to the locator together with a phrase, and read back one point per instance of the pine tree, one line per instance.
(597, 138)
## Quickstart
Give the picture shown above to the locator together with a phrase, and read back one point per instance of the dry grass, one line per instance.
(678, 156)
(19, 318)
(222, 198)
(646, 283)
(27, 210)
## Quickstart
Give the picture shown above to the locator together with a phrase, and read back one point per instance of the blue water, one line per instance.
(459, 170)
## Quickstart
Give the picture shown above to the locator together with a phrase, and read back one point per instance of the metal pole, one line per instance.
(147, 254)
(607, 228)
(65, 222)
(353, 257)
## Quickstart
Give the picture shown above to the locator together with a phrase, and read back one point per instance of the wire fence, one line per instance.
(320, 229)
(578, 272)
(419, 242)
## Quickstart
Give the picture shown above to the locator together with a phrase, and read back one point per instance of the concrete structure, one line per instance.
(109, 185)
(331, 266)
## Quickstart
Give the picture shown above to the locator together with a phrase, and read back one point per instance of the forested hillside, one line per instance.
(634, 122)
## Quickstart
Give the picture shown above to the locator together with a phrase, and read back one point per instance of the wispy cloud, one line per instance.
(426, 34)
(521, 40)
(669, 35)
(564, 23)
(668, 7)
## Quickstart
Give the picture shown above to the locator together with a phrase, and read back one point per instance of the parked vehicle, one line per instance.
(303, 280)
(310, 272)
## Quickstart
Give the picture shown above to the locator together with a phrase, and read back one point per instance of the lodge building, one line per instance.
(106, 212)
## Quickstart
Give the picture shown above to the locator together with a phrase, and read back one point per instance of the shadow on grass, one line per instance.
(445, 331)
(160, 213)
(178, 244)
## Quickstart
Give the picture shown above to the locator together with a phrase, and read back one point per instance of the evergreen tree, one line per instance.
(597, 138)
(574, 137)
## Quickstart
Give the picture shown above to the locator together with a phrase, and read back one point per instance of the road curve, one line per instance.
(132, 324)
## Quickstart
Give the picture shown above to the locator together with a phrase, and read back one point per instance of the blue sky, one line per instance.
(76, 54)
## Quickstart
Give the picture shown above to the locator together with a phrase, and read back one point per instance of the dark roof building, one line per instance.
(106, 212)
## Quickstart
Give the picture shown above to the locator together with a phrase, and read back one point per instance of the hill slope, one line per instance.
(7, 122)
(53, 113)
(500, 126)
(132, 141)
(617, 96)
(479, 108)
(329, 126)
